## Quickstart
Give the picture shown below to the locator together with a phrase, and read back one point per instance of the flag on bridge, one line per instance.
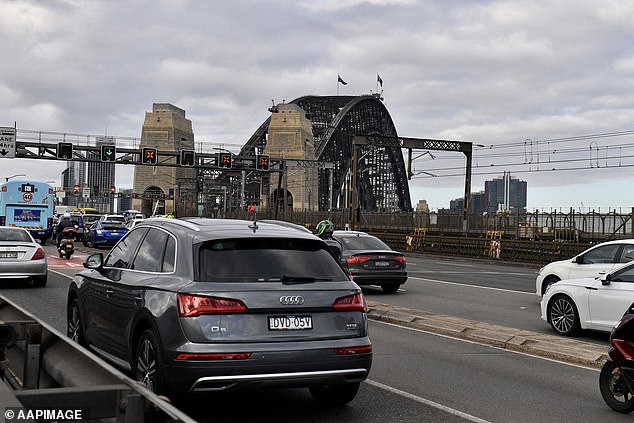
(341, 81)
(379, 80)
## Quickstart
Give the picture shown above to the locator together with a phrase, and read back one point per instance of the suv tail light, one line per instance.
(212, 356)
(354, 350)
(196, 305)
(400, 260)
(39, 254)
(357, 259)
(354, 302)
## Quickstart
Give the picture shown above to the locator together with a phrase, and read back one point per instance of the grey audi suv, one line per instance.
(210, 305)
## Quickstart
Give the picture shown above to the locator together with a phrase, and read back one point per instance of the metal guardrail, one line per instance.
(41, 369)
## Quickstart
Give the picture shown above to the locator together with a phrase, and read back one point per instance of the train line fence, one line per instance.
(540, 236)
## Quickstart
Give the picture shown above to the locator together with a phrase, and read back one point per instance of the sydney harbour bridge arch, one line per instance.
(382, 183)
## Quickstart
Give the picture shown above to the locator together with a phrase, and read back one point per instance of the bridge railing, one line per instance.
(41, 369)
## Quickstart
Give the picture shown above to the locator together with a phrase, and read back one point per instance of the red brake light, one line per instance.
(209, 356)
(354, 350)
(4, 189)
(39, 254)
(357, 259)
(400, 259)
(354, 302)
(196, 305)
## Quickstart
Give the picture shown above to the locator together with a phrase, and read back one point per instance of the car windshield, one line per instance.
(362, 243)
(14, 235)
(267, 260)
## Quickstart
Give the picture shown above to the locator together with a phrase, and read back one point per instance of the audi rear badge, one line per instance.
(292, 300)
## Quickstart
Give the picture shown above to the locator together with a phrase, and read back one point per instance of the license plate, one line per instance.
(9, 254)
(381, 263)
(114, 233)
(290, 322)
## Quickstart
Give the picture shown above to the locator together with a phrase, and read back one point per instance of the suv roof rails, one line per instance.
(181, 222)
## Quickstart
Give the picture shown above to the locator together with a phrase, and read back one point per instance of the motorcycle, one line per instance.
(616, 380)
(66, 246)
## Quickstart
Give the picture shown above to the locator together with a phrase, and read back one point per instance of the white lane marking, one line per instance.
(474, 286)
(61, 274)
(490, 346)
(456, 272)
(426, 402)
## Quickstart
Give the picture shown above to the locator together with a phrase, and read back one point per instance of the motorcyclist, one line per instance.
(66, 222)
(324, 230)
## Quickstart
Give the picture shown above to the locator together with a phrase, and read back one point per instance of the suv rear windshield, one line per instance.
(266, 259)
(362, 243)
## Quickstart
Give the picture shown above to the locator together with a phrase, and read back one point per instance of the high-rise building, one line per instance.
(73, 175)
(101, 176)
(506, 194)
(500, 194)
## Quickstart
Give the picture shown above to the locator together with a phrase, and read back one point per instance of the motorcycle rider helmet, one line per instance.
(325, 228)
(66, 215)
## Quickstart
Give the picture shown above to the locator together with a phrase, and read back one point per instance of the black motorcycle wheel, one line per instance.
(613, 389)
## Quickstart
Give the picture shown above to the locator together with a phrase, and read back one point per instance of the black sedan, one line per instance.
(369, 261)
(203, 305)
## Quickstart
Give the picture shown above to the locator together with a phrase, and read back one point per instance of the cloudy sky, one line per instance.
(544, 88)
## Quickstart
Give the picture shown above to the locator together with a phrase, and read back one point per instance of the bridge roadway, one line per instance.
(590, 349)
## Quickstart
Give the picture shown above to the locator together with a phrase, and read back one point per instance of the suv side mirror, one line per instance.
(94, 261)
(578, 259)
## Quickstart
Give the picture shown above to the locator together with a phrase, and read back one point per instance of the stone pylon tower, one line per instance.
(166, 190)
(290, 136)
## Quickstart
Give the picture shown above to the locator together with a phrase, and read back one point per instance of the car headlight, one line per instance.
(99, 231)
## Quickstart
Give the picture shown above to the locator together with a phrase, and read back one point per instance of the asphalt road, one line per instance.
(415, 376)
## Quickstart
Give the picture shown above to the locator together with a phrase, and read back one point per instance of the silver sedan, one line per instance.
(21, 257)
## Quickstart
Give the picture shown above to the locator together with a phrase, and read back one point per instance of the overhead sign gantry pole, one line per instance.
(409, 143)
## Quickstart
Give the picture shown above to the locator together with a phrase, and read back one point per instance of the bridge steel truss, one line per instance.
(382, 183)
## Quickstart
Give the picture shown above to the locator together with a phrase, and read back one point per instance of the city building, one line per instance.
(100, 180)
(503, 194)
(506, 194)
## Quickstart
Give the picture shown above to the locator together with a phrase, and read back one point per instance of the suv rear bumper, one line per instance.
(294, 368)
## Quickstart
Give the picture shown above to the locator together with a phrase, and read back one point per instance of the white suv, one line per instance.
(595, 260)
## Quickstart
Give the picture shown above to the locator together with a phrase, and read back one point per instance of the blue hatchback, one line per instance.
(105, 233)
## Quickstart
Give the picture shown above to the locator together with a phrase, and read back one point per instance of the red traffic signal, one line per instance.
(112, 188)
(76, 188)
(262, 162)
(224, 160)
(149, 155)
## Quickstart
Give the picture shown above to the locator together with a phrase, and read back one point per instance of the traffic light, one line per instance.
(188, 157)
(224, 160)
(64, 150)
(108, 153)
(113, 189)
(262, 162)
(149, 156)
